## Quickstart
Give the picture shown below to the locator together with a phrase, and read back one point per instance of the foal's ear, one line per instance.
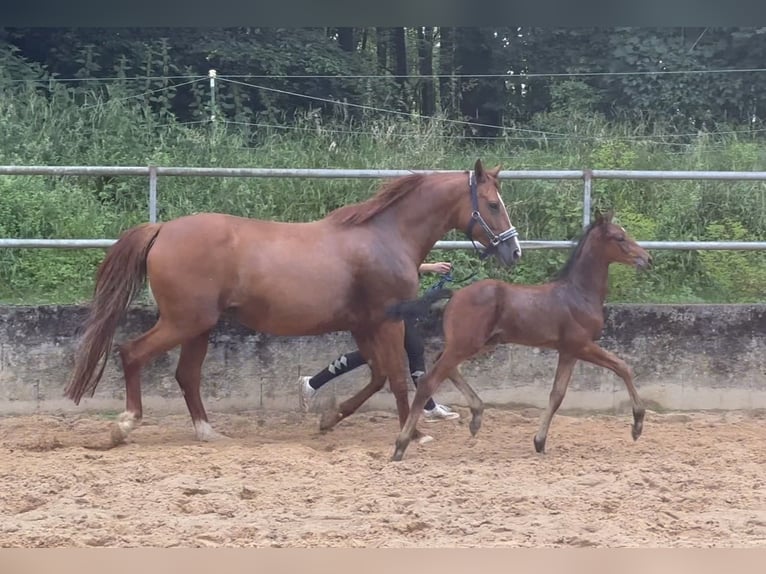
(478, 169)
(602, 218)
(598, 217)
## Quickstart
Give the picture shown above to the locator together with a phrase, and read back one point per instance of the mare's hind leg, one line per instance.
(330, 418)
(134, 355)
(603, 358)
(564, 370)
(474, 401)
(189, 377)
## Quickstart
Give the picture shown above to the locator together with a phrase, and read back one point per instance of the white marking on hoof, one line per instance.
(126, 422)
(206, 433)
(426, 438)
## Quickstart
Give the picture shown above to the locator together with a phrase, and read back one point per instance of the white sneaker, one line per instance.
(439, 413)
(306, 393)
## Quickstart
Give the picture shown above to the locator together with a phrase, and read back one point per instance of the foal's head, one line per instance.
(617, 246)
(486, 217)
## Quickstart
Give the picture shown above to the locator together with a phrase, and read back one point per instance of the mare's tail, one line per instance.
(118, 280)
(416, 308)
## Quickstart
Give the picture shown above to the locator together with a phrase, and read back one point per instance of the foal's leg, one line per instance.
(474, 401)
(189, 377)
(603, 358)
(427, 385)
(134, 355)
(564, 370)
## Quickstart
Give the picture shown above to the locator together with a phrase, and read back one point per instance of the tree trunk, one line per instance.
(481, 98)
(381, 48)
(425, 57)
(346, 39)
(446, 68)
(400, 64)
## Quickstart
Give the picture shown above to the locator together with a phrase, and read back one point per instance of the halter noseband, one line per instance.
(494, 238)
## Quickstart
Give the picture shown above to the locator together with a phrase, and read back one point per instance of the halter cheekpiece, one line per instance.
(494, 238)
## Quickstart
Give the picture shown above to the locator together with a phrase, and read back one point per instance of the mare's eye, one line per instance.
(494, 206)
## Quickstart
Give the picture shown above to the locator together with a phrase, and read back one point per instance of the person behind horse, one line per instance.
(413, 344)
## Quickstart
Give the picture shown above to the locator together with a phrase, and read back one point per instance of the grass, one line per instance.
(41, 129)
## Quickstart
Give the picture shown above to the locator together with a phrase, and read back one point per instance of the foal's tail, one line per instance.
(118, 280)
(416, 308)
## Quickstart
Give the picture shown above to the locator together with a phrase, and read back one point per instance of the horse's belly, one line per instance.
(292, 317)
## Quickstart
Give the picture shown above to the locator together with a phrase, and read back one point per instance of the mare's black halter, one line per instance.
(494, 238)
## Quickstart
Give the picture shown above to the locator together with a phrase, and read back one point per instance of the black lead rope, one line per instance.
(448, 278)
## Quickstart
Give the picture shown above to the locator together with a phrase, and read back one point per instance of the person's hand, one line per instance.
(442, 267)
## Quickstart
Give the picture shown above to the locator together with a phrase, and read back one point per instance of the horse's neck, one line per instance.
(422, 223)
(590, 278)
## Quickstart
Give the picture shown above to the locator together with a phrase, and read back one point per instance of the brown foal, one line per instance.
(565, 314)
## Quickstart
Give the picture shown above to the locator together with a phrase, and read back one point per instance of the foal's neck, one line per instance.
(590, 277)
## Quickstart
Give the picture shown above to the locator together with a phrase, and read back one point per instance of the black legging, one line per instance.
(413, 344)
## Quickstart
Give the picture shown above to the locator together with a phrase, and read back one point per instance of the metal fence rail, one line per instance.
(587, 176)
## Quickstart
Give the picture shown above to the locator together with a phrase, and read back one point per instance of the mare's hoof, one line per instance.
(328, 420)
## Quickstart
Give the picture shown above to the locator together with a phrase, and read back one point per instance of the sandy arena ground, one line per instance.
(692, 480)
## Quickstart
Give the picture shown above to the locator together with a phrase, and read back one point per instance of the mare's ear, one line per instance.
(494, 171)
(478, 169)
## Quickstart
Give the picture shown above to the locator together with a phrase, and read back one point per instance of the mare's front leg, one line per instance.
(385, 342)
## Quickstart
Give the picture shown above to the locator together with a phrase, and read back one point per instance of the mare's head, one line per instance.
(486, 219)
(617, 245)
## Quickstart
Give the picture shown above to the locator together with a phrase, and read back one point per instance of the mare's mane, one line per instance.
(389, 194)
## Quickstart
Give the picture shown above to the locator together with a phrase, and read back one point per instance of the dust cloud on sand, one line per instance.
(691, 480)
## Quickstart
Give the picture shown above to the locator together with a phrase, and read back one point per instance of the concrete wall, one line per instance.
(683, 356)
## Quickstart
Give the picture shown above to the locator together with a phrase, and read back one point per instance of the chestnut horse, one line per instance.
(358, 259)
(565, 314)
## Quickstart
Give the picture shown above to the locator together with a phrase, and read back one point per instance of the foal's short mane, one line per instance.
(391, 192)
(575, 252)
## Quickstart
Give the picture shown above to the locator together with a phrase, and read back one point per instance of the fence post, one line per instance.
(212, 75)
(586, 198)
(153, 193)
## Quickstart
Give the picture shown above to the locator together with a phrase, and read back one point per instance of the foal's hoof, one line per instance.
(539, 445)
(638, 423)
(475, 424)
